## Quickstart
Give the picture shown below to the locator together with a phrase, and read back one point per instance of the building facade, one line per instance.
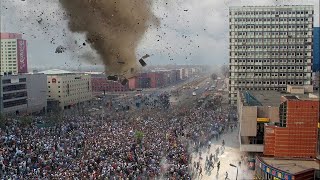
(316, 49)
(270, 47)
(13, 54)
(100, 83)
(286, 169)
(23, 94)
(296, 135)
(68, 88)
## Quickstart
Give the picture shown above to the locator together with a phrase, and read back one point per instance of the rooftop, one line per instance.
(268, 98)
(291, 166)
(57, 71)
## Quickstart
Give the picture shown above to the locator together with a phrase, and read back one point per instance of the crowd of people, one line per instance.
(147, 143)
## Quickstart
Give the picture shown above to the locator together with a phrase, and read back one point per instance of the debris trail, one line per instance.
(112, 28)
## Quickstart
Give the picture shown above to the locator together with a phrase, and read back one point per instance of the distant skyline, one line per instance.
(202, 23)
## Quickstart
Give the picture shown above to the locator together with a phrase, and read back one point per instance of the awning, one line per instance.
(263, 120)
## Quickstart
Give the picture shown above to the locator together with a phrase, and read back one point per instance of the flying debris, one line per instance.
(141, 61)
(60, 49)
(113, 78)
(145, 56)
(124, 82)
(39, 20)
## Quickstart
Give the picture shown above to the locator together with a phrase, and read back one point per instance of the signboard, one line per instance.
(274, 172)
(263, 120)
(22, 56)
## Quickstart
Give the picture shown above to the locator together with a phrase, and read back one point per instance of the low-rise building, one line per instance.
(255, 108)
(282, 129)
(296, 133)
(100, 83)
(68, 88)
(23, 94)
(287, 169)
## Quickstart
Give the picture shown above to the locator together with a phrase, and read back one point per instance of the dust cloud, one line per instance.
(113, 28)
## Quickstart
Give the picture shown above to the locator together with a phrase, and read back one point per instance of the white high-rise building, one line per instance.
(13, 54)
(270, 47)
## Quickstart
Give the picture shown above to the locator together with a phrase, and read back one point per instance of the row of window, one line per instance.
(289, 34)
(15, 95)
(270, 67)
(14, 103)
(257, 89)
(274, 12)
(8, 81)
(268, 74)
(292, 26)
(262, 53)
(268, 61)
(295, 19)
(15, 87)
(271, 40)
(272, 47)
(267, 82)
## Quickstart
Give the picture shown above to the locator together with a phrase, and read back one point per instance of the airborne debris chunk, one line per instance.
(124, 82)
(60, 49)
(145, 56)
(39, 20)
(142, 62)
(113, 78)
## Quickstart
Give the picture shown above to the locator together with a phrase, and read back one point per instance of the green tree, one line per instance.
(139, 136)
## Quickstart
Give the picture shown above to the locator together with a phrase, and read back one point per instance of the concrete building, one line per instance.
(270, 47)
(68, 88)
(316, 49)
(13, 54)
(255, 108)
(23, 94)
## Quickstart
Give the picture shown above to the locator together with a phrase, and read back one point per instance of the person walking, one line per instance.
(226, 175)
(200, 171)
(218, 166)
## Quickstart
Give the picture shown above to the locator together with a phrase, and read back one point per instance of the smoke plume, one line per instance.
(112, 27)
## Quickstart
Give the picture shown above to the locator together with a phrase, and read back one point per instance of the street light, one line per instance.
(235, 167)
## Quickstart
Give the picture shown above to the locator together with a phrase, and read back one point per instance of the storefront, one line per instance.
(267, 172)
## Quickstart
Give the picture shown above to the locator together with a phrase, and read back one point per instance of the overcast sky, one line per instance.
(191, 31)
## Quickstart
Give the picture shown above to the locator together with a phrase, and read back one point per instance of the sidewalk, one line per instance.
(231, 155)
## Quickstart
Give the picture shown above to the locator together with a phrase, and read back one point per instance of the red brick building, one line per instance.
(101, 83)
(297, 132)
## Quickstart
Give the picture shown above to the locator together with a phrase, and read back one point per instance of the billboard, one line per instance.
(22, 56)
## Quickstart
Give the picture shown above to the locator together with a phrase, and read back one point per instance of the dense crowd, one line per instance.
(148, 143)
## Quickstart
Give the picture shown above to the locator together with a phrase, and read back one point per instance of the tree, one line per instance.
(139, 136)
(225, 70)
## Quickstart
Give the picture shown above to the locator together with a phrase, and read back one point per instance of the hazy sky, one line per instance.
(191, 31)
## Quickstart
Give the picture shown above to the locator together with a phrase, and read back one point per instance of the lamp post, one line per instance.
(237, 170)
